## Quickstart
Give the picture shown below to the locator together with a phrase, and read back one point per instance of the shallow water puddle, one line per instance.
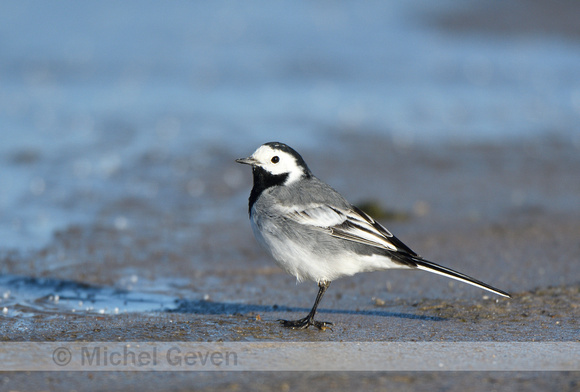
(23, 296)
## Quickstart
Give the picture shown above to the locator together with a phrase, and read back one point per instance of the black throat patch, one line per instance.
(263, 180)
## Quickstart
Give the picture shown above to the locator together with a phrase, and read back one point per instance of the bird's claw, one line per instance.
(306, 322)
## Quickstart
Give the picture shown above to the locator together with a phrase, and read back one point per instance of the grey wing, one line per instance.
(377, 230)
(349, 224)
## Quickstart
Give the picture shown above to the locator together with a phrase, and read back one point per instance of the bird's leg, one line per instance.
(307, 321)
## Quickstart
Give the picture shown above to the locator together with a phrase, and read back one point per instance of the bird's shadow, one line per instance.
(225, 308)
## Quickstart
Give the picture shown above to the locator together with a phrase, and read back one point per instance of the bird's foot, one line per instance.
(306, 322)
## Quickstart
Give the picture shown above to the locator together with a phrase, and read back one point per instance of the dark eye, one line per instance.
(275, 159)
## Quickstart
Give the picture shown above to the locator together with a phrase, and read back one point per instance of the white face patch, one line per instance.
(278, 162)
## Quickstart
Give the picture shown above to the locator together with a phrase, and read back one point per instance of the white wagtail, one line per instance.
(314, 233)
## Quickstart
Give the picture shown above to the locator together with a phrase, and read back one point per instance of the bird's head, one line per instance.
(278, 160)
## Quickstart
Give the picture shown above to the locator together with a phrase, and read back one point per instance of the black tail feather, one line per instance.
(427, 265)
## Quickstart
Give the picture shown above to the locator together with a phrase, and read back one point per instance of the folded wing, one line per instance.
(352, 224)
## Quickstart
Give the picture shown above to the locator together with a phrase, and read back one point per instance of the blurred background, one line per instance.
(87, 89)
(128, 115)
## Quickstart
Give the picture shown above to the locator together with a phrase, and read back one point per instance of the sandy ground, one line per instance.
(506, 215)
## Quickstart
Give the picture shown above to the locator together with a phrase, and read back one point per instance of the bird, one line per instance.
(315, 234)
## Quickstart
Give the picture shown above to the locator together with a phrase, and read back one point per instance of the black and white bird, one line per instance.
(314, 234)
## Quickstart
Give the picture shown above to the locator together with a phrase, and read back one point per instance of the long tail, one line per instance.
(426, 265)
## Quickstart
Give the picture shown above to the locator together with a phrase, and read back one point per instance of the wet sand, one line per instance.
(504, 214)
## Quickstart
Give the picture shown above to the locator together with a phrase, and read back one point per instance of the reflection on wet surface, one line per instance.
(24, 296)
